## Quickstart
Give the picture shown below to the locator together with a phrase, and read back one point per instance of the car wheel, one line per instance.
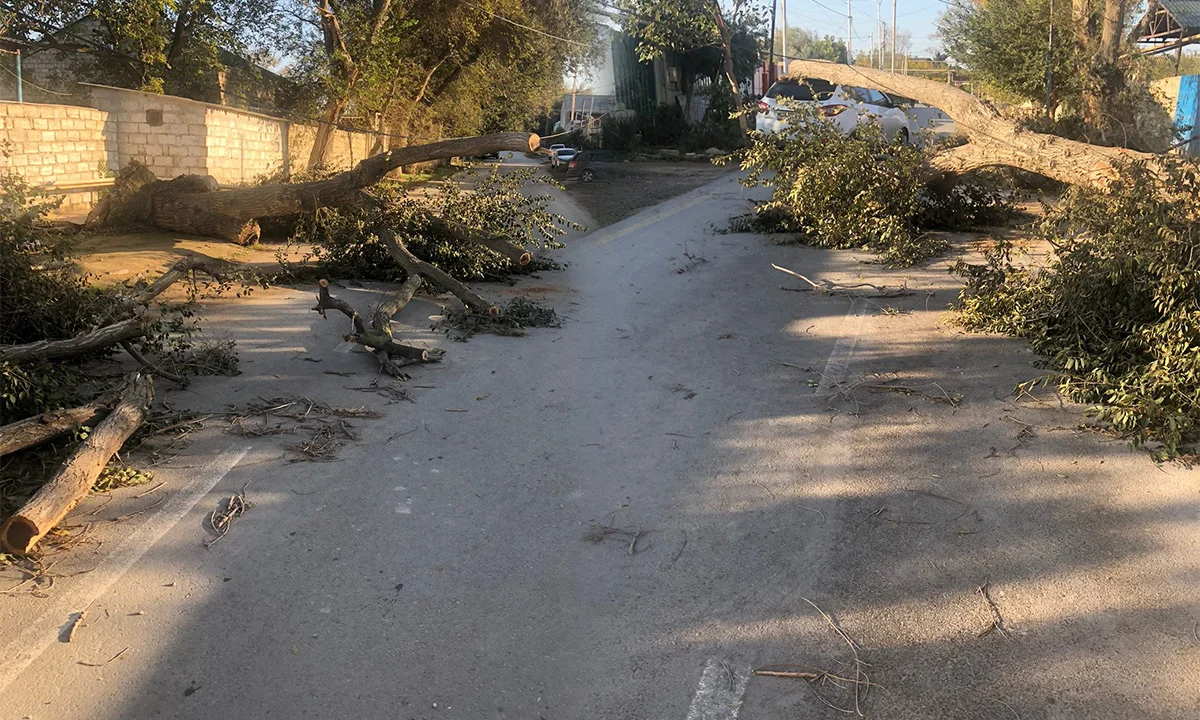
(587, 175)
(902, 136)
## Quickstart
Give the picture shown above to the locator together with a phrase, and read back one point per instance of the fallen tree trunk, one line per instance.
(193, 204)
(415, 266)
(992, 140)
(496, 243)
(21, 532)
(49, 425)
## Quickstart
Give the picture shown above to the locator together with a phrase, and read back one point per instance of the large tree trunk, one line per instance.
(1110, 34)
(992, 140)
(192, 204)
(50, 505)
(727, 64)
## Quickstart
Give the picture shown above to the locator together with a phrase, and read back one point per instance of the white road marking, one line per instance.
(843, 350)
(20, 652)
(719, 695)
(344, 347)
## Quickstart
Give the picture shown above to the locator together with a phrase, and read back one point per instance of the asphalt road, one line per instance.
(622, 517)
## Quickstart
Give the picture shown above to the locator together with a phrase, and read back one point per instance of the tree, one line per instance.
(387, 64)
(685, 25)
(1003, 43)
(168, 46)
(807, 46)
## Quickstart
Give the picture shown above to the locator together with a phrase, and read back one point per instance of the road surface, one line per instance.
(755, 454)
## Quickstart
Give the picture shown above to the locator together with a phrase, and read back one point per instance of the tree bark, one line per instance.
(992, 140)
(197, 207)
(94, 340)
(21, 532)
(727, 64)
(49, 425)
(415, 266)
(378, 338)
(1110, 34)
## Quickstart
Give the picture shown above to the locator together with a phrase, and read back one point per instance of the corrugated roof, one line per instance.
(1185, 12)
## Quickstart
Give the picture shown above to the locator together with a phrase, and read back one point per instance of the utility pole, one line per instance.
(21, 81)
(574, 90)
(783, 51)
(893, 37)
(879, 29)
(849, 29)
(771, 56)
(1050, 60)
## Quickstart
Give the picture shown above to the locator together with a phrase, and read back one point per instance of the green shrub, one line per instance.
(1116, 310)
(345, 245)
(862, 191)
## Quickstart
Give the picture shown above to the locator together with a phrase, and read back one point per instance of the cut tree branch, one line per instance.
(496, 243)
(415, 266)
(21, 532)
(992, 139)
(50, 425)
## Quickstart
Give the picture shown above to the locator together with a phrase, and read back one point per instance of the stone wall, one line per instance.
(59, 146)
(64, 145)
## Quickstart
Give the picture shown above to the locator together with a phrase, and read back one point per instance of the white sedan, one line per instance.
(844, 106)
(562, 156)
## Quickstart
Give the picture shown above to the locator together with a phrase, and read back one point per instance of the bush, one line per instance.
(46, 298)
(621, 134)
(345, 246)
(861, 191)
(1116, 311)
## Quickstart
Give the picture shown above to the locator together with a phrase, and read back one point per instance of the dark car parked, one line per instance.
(586, 164)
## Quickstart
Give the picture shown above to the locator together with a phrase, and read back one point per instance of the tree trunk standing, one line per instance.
(325, 128)
(730, 75)
(992, 139)
(1110, 34)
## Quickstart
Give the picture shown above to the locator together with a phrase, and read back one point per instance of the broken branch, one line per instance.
(21, 532)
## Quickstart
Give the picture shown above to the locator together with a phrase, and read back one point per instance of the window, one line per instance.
(154, 118)
(807, 89)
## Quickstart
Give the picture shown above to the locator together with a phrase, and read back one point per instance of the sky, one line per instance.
(828, 17)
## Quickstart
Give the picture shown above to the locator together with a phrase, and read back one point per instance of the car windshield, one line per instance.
(566, 151)
(805, 89)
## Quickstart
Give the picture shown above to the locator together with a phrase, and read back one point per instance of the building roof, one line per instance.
(1185, 12)
(596, 104)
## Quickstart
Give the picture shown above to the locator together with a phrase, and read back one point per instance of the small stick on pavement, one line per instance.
(222, 517)
(997, 618)
(860, 677)
(75, 625)
(114, 657)
(826, 287)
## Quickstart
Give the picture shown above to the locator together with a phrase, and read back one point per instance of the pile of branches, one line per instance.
(862, 191)
(1116, 309)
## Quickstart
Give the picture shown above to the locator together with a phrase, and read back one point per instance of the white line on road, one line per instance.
(843, 350)
(30, 643)
(719, 695)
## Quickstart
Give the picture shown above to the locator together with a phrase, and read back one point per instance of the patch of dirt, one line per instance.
(121, 257)
(620, 190)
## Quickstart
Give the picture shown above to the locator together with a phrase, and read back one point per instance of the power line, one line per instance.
(526, 27)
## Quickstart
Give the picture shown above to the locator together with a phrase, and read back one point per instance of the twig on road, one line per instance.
(860, 680)
(997, 618)
(825, 287)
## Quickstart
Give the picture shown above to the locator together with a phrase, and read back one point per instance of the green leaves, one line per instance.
(1116, 310)
(859, 192)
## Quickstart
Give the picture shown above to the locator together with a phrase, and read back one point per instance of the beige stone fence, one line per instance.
(74, 151)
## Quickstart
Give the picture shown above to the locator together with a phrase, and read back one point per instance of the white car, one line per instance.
(844, 106)
(562, 156)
